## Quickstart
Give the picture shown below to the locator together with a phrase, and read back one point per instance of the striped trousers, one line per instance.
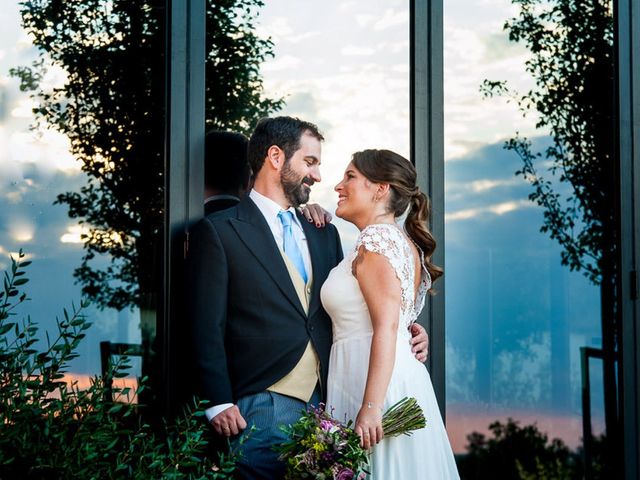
(266, 412)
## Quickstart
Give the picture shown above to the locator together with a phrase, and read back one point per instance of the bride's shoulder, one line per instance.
(380, 236)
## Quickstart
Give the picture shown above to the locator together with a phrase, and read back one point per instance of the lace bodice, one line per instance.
(389, 241)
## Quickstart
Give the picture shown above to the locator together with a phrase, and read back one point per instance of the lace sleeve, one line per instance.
(385, 240)
(389, 241)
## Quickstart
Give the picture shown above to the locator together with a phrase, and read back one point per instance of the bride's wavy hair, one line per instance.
(385, 166)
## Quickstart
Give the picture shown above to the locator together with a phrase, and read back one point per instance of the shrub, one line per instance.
(50, 429)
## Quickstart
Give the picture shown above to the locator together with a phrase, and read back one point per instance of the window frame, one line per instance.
(427, 154)
(627, 18)
(184, 170)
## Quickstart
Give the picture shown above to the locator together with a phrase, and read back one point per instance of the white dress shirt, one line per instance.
(270, 210)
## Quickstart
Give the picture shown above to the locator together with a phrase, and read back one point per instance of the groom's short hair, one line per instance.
(284, 132)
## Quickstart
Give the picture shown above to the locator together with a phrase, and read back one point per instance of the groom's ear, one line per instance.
(275, 157)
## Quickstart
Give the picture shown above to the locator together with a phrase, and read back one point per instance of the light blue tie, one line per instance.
(290, 245)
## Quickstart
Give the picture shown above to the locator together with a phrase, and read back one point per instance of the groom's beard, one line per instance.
(296, 189)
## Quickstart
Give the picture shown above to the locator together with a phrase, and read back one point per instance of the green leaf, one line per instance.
(116, 408)
(6, 327)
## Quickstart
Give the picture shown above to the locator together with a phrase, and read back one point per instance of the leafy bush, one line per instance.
(50, 429)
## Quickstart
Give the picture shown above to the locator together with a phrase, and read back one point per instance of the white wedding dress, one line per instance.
(426, 454)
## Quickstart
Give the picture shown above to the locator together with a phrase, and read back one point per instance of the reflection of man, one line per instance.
(226, 170)
(261, 336)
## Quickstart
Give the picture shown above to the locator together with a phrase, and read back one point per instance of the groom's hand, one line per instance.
(419, 342)
(229, 422)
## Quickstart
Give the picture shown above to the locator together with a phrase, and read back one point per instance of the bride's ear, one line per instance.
(382, 191)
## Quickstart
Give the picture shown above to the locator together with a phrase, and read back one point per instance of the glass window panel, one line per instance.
(35, 167)
(516, 317)
(348, 72)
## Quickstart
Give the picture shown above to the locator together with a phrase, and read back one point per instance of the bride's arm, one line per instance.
(381, 290)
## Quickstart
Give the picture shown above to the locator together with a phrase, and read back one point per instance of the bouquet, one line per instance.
(322, 447)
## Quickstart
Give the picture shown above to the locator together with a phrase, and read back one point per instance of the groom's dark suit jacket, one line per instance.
(249, 328)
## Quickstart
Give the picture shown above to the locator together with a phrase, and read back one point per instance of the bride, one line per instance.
(373, 296)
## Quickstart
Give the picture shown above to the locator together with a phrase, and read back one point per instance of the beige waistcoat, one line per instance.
(301, 381)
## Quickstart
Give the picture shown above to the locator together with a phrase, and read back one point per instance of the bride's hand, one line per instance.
(369, 425)
(316, 214)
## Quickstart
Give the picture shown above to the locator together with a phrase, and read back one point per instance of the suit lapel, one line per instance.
(317, 263)
(253, 230)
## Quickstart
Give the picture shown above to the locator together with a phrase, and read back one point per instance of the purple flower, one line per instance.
(344, 474)
(326, 425)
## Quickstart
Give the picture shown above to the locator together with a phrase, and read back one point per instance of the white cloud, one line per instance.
(481, 185)
(24, 108)
(302, 37)
(279, 64)
(496, 209)
(484, 185)
(392, 18)
(397, 47)
(46, 151)
(364, 19)
(347, 6)
(74, 234)
(21, 230)
(354, 50)
(278, 28)
(401, 68)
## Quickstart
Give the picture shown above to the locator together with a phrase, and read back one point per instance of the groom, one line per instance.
(261, 337)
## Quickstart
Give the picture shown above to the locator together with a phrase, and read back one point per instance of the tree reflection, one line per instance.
(572, 51)
(524, 452)
(111, 107)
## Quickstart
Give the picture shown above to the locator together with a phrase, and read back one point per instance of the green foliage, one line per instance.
(52, 429)
(572, 63)
(516, 452)
(111, 107)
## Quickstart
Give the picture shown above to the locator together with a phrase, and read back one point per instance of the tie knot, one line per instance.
(286, 217)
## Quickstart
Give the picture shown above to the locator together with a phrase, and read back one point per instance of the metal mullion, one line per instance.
(628, 63)
(184, 167)
(427, 153)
